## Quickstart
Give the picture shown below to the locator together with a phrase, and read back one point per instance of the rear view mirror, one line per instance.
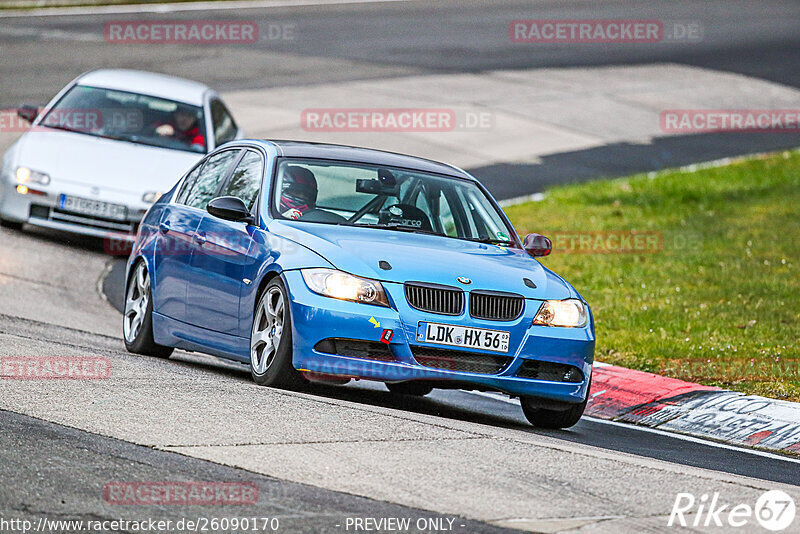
(28, 112)
(230, 209)
(537, 245)
(375, 187)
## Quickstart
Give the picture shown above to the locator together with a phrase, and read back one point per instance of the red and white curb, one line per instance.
(655, 401)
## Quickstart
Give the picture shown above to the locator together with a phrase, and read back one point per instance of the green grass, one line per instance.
(719, 304)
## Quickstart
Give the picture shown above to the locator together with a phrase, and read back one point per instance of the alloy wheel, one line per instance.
(267, 330)
(136, 302)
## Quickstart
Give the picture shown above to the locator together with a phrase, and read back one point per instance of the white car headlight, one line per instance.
(569, 313)
(151, 197)
(343, 286)
(28, 176)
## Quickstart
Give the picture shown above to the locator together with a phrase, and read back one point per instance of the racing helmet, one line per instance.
(298, 190)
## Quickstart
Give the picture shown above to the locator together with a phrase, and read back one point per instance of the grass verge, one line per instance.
(690, 274)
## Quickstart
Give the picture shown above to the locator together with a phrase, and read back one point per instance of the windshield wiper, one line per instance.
(112, 137)
(490, 241)
(416, 230)
(400, 228)
(62, 128)
(88, 132)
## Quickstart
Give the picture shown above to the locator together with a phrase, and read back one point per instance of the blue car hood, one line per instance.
(425, 258)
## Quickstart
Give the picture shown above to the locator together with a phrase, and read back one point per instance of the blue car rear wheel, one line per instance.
(137, 325)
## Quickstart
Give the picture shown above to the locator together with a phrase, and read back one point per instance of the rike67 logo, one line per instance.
(774, 511)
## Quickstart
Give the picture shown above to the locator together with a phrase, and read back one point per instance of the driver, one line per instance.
(298, 193)
(183, 127)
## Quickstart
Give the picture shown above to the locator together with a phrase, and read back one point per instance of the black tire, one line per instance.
(11, 225)
(414, 389)
(546, 418)
(142, 341)
(564, 417)
(278, 371)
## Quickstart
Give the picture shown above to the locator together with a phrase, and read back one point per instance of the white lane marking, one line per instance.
(533, 197)
(675, 435)
(177, 7)
(492, 396)
(44, 34)
(694, 439)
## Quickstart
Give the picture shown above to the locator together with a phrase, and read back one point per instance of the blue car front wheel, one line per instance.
(271, 340)
(414, 389)
(563, 416)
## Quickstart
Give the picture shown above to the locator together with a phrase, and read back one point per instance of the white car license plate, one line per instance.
(95, 208)
(463, 336)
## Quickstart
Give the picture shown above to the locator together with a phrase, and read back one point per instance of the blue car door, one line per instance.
(178, 231)
(220, 255)
(173, 251)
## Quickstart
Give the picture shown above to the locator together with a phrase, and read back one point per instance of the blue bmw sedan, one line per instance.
(323, 262)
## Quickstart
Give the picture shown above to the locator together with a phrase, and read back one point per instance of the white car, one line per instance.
(105, 148)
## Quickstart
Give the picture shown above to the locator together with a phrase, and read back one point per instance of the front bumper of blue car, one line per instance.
(342, 338)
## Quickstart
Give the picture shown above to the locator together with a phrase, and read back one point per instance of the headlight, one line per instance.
(28, 176)
(570, 312)
(340, 285)
(151, 197)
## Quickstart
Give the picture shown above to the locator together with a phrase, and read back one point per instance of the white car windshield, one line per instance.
(357, 194)
(129, 117)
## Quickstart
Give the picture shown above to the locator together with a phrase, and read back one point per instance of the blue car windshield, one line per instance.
(130, 117)
(357, 194)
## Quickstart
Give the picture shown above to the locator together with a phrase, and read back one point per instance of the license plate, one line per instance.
(463, 336)
(95, 208)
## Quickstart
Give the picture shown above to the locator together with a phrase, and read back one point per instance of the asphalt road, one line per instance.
(502, 412)
(388, 40)
(59, 473)
(322, 446)
(318, 45)
(391, 39)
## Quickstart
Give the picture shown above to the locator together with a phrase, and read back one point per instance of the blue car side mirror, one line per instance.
(537, 245)
(230, 209)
